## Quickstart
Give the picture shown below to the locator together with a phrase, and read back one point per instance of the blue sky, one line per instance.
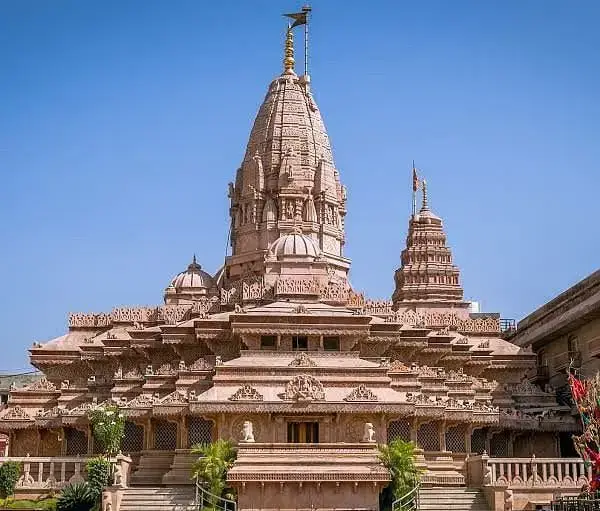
(121, 123)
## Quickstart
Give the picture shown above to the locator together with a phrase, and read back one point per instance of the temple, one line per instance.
(279, 353)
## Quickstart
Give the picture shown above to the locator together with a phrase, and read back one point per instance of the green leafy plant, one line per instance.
(44, 504)
(212, 466)
(99, 474)
(76, 497)
(9, 475)
(399, 458)
(108, 427)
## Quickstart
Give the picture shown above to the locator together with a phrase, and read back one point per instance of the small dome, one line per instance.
(192, 278)
(294, 245)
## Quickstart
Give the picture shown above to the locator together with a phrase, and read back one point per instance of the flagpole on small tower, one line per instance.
(415, 187)
(306, 9)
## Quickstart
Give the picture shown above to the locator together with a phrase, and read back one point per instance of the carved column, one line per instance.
(148, 435)
(442, 435)
(279, 434)
(90, 439)
(414, 426)
(184, 427)
(511, 444)
(382, 429)
(321, 342)
(468, 433)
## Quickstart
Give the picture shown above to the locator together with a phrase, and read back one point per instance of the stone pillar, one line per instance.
(468, 433)
(511, 444)
(442, 435)
(279, 432)
(184, 426)
(148, 435)
(414, 426)
(90, 439)
(382, 433)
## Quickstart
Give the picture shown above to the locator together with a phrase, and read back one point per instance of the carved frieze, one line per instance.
(200, 365)
(42, 385)
(246, 393)
(302, 360)
(361, 393)
(304, 388)
(88, 320)
(297, 286)
(134, 314)
(173, 314)
(16, 413)
(142, 401)
(174, 398)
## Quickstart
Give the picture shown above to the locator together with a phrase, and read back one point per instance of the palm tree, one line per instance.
(213, 464)
(399, 458)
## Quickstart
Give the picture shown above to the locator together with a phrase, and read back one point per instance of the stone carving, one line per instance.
(508, 500)
(88, 320)
(52, 413)
(205, 305)
(173, 314)
(229, 296)
(487, 474)
(459, 376)
(246, 393)
(65, 384)
(166, 370)
(141, 401)
(174, 398)
(525, 388)
(304, 388)
(335, 292)
(297, 286)
(135, 374)
(356, 300)
(42, 385)
(218, 360)
(399, 366)
(300, 309)
(302, 360)
(200, 365)
(369, 433)
(16, 413)
(247, 432)
(431, 372)
(483, 345)
(253, 290)
(361, 393)
(134, 314)
(119, 480)
(111, 336)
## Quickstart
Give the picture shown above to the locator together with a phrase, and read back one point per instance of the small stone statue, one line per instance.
(118, 476)
(369, 433)
(508, 500)
(487, 475)
(181, 366)
(247, 432)
(218, 360)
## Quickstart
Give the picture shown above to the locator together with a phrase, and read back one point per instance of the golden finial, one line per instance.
(425, 205)
(288, 61)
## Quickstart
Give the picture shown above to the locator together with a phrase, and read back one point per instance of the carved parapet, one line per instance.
(43, 385)
(88, 320)
(304, 388)
(173, 314)
(297, 286)
(246, 393)
(302, 360)
(134, 315)
(361, 393)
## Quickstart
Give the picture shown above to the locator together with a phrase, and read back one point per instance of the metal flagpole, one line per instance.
(306, 9)
(414, 192)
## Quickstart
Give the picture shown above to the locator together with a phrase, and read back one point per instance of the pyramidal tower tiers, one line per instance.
(287, 203)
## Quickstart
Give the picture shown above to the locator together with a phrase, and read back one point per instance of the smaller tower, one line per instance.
(426, 275)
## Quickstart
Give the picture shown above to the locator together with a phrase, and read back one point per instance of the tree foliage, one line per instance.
(9, 476)
(108, 427)
(215, 460)
(399, 458)
(99, 474)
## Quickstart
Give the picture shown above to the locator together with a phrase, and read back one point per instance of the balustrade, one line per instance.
(528, 472)
(53, 473)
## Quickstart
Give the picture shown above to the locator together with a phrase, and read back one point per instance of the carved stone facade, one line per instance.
(278, 352)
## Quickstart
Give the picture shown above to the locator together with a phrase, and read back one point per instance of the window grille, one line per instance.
(478, 440)
(398, 430)
(268, 342)
(456, 438)
(133, 440)
(428, 437)
(199, 431)
(77, 442)
(499, 445)
(165, 436)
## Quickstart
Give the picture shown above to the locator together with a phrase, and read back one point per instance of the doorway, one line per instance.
(303, 432)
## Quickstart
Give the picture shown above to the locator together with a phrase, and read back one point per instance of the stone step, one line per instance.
(452, 499)
(157, 498)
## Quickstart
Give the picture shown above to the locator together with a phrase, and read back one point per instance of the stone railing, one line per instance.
(527, 472)
(43, 474)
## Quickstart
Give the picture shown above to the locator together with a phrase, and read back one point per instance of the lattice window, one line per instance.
(77, 442)
(456, 440)
(165, 436)
(133, 440)
(96, 446)
(399, 430)
(199, 431)
(428, 437)
(478, 440)
(499, 445)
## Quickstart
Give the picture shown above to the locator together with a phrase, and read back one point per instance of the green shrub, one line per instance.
(108, 427)
(44, 504)
(76, 497)
(99, 474)
(9, 475)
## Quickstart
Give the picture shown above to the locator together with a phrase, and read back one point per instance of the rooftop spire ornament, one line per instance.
(301, 18)
(415, 187)
(288, 60)
(425, 206)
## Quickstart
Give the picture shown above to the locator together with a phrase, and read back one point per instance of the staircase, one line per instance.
(178, 498)
(452, 499)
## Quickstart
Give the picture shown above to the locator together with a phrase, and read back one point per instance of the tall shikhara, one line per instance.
(287, 183)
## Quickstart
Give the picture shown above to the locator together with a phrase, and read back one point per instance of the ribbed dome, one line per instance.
(294, 245)
(193, 277)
